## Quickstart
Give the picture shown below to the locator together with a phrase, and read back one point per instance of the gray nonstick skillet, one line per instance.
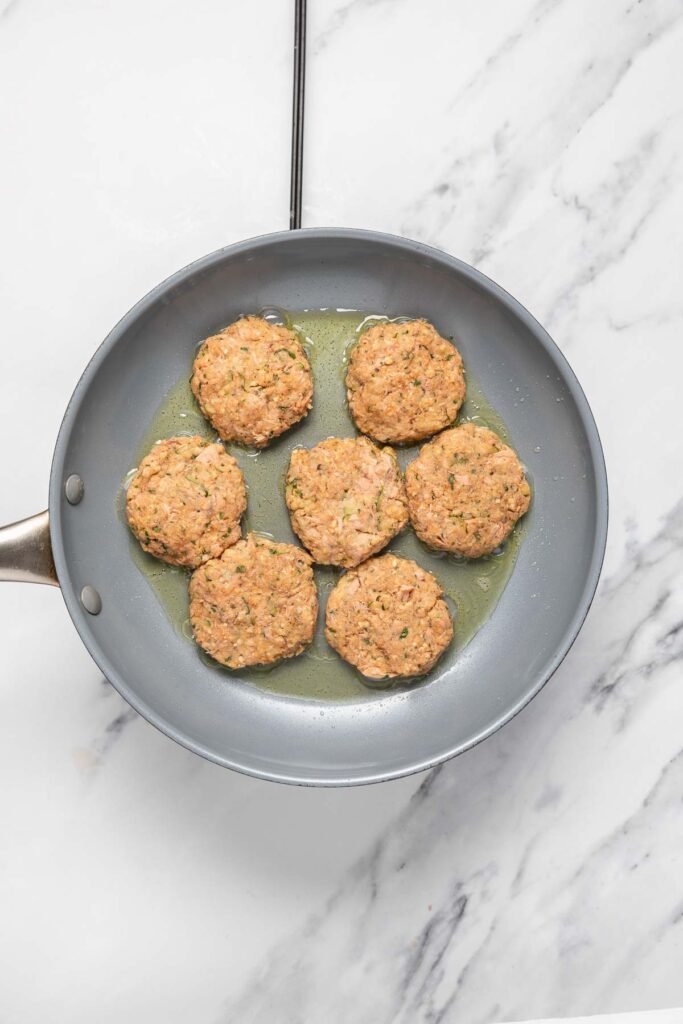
(82, 546)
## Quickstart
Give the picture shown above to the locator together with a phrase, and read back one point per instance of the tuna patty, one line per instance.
(388, 617)
(185, 502)
(404, 382)
(254, 605)
(466, 490)
(253, 381)
(346, 499)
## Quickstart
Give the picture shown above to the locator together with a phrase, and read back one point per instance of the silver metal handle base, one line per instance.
(26, 552)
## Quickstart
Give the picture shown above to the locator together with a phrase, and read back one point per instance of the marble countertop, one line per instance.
(540, 874)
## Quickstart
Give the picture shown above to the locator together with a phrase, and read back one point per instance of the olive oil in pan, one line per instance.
(472, 588)
(177, 414)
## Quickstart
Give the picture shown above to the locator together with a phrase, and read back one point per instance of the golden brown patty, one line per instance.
(346, 499)
(185, 502)
(254, 605)
(388, 618)
(253, 381)
(466, 490)
(404, 382)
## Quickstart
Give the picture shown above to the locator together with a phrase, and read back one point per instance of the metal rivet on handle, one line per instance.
(91, 600)
(73, 489)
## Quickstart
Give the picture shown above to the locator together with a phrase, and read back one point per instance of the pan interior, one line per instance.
(472, 589)
(275, 735)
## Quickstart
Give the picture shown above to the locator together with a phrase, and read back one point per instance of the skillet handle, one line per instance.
(26, 552)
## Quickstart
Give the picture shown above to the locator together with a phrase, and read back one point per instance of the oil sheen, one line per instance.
(472, 588)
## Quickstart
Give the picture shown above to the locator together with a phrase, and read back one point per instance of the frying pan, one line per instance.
(84, 547)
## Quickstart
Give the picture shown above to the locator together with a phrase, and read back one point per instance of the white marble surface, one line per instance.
(540, 874)
(672, 1016)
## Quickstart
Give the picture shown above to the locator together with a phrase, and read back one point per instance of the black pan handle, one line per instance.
(297, 173)
(26, 551)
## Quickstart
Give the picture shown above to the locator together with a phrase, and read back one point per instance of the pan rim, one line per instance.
(414, 248)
